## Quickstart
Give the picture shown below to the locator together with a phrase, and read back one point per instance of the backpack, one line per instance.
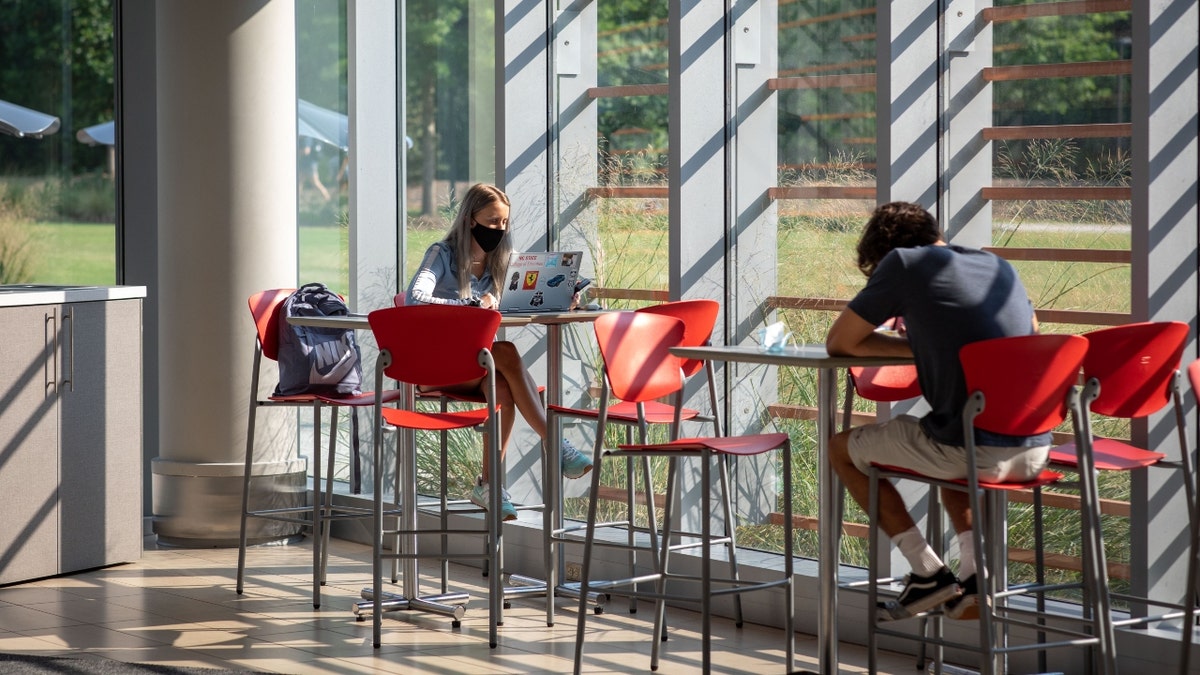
(323, 361)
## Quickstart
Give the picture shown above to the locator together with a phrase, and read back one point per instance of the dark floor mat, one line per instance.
(26, 664)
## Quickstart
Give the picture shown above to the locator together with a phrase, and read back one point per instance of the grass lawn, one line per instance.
(75, 253)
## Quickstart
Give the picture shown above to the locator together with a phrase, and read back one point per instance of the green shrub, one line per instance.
(18, 246)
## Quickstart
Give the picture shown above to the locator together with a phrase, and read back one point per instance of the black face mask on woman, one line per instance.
(488, 238)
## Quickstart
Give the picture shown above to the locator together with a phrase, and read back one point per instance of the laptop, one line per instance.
(540, 282)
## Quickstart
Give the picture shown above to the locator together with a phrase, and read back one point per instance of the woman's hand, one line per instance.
(488, 301)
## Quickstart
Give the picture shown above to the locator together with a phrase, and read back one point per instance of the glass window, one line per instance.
(57, 191)
(322, 143)
(1061, 211)
(614, 161)
(826, 189)
(450, 127)
(450, 103)
(632, 144)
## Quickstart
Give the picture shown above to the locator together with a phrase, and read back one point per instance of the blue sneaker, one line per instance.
(480, 497)
(575, 464)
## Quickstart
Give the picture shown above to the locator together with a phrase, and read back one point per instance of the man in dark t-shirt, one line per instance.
(946, 296)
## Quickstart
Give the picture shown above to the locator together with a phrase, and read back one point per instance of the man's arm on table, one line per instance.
(851, 335)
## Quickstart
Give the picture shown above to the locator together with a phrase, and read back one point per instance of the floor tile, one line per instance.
(179, 607)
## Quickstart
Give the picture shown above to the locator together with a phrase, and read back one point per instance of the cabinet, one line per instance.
(71, 428)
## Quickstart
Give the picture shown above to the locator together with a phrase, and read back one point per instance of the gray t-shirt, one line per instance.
(948, 296)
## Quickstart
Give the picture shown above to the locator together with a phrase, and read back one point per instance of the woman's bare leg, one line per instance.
(522, 388)
(514, 388)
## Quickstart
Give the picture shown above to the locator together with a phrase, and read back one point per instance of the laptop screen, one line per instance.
(540, 281)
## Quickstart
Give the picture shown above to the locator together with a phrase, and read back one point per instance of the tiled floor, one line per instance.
(178, 607)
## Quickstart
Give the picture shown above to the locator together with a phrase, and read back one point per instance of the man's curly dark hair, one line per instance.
(895, 225)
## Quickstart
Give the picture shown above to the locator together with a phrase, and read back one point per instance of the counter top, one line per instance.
(19, 295)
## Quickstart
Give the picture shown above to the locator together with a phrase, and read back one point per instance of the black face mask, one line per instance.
(487, 238)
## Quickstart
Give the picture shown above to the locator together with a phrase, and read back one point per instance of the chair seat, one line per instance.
(459, 396)
(625, 411)
(365, 399)
(754, 444)
(1109, 454)
(435, 421)
(293, 398)
(1046, 477)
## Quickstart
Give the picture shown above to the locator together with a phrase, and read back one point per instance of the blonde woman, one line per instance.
(467, 267)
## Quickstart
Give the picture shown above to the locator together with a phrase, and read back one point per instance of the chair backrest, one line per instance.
(635, 347)
(1024, 380)
(1135, 365)
(434, 345)
(398, 299)
(698, 317)
(1193, 373)
(265, 308)
(885, 383)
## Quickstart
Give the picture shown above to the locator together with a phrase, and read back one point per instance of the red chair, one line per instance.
(265, 309)
(452, 345)
(698, 318)
(882, 384)
(1019, 386)
(639, 367)
(1130, 372)
(890, 384)
(444, 399)
(1191, 590)
(886, 383)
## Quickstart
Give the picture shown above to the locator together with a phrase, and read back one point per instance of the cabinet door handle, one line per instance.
(50, 332)
(69, 320)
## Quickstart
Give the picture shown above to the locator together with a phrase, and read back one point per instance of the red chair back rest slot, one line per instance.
(698, 317)
(265, 307)
(434, 345)
(636, 347)
(1024, 380)
(1135, 365)
(886, 383)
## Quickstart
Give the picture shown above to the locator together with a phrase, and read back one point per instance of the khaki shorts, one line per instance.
(902, 443)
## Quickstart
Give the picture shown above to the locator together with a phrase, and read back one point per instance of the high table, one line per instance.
(829, 488)
(554, 321)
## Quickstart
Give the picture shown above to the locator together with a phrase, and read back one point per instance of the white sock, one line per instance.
(966, 555)
(917, 552)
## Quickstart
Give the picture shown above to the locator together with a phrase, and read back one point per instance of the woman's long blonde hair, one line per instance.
(458, 238)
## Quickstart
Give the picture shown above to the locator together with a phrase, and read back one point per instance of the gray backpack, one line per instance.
(323, 361)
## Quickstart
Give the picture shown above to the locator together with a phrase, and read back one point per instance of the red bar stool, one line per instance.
(635, 349)
(1018, 386)
(453, 345)
(266, 310)
(445, 400)
(1130, 372)
(635, 415)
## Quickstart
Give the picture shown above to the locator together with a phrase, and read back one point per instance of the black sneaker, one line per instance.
(921, 594)
(966, 606)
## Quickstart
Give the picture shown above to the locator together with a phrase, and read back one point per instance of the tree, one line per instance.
(57, 57)
(437, 82)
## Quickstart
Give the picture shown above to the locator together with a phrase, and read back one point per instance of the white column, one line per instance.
(227, 228)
